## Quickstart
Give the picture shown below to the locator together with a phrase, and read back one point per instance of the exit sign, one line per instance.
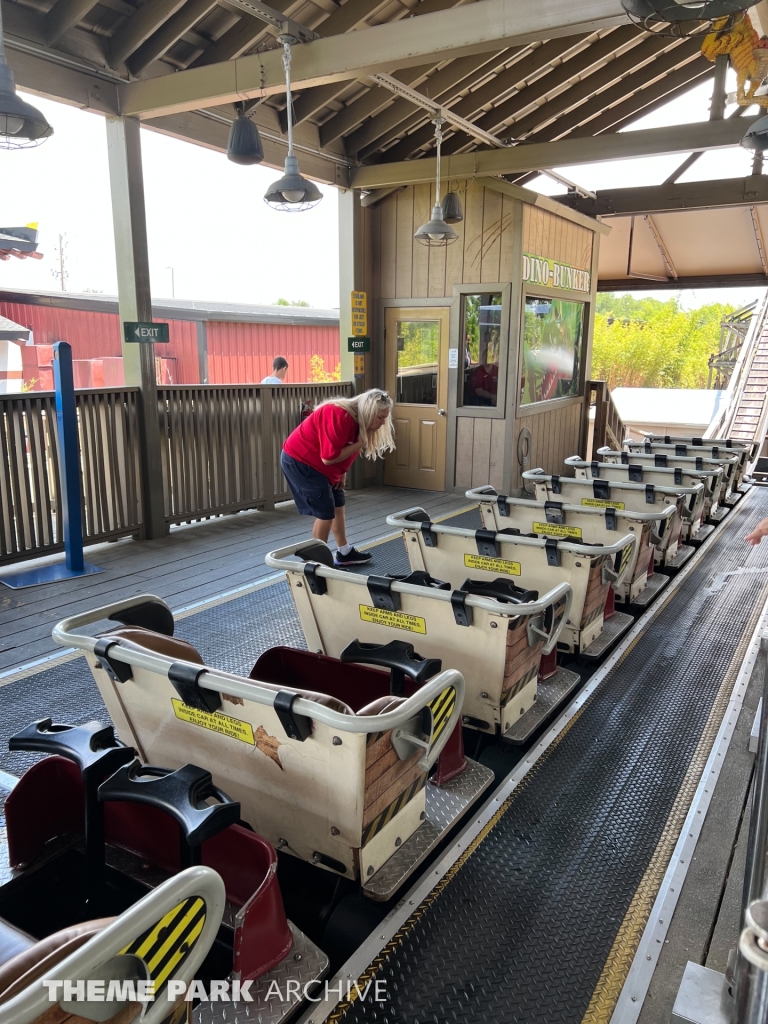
(359, 345)
(145, 333)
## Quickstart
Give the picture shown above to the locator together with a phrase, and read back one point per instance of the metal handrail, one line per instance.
(751, 993)
(539, 476)
(253, 690)
(281, 559)
(488, 495)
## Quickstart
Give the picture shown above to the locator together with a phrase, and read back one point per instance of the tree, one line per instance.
(291, 302)
(652, 343)
(318, 373)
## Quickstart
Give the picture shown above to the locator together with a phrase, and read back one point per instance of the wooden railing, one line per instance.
(220, 454)
(221, 450)
(30, 520)
(607, 428)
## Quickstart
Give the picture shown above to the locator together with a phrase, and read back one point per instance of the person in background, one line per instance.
(279, 370)
(317, 455)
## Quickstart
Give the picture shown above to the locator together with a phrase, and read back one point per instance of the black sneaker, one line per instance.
(352, 557)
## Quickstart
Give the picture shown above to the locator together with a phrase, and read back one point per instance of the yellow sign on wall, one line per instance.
(360, 314)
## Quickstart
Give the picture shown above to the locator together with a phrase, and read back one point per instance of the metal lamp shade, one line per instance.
(436, 232)
(244, 143)
(292, 193)
(452, 211)
(757, 135)
(21, 124)
(684, 10)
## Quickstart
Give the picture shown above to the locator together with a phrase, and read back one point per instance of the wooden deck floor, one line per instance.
(193, 563)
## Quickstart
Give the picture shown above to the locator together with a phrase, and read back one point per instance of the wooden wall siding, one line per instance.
(555, 434)
(479, 452)
(483, 252)
(549, 236)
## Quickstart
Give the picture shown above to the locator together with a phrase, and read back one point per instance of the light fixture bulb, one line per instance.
(10, 125)
(293, 195)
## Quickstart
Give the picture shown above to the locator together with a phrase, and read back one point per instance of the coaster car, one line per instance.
(536, 563)
(502, 513)
(624, 496)
(721, 485)
(713, 448)
(494, 633)
(333, 775)
(700, 504)
(91, 830)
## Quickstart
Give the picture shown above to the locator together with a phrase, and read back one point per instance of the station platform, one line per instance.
(563, 885)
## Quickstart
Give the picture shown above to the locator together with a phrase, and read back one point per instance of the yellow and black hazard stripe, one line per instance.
(519, 685)
(595, 614)
(397, 805)
(442, 709)
(166, 945)
(622, 559)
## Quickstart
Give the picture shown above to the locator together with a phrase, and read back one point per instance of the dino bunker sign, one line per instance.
(145, 333)
(540, 270)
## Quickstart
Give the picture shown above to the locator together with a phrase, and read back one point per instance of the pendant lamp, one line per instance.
(756, 137)
(292, 193)
(244, 143)
(21, 125)
(436, 232)
(452, 211)
(681, 16)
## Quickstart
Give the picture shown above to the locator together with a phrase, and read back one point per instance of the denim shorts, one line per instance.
(311, 490)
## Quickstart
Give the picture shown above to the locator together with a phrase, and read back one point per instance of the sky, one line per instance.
(206, 217)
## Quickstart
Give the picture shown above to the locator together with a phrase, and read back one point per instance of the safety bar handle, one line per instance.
(578, 463)
(399, 657)
(489, 495)
(250, 689)
(181, 794)
(539, 476)
(399, 521)
(93, 747)
(608, 452)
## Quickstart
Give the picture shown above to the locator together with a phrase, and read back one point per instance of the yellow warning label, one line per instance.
(215, 721)
(398, 620)
(557, 530)
(599, 503)
(492, 564)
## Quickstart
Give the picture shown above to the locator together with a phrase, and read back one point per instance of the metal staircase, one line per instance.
(744, 416)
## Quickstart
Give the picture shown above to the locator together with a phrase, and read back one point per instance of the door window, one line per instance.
(481, 334)
(418, 352)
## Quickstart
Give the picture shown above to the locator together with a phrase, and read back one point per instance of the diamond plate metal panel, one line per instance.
(613, 630)
(444, 806)
(684, 552)
(303, 965)
(549, 694)
(653, 587)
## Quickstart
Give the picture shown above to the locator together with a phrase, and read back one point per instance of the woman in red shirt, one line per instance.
(317, 455)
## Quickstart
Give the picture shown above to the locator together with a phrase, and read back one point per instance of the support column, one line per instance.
(351, 274)
(135, 303)
(202, 351)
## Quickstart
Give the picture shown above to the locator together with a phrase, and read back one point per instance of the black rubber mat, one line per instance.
(521, 932)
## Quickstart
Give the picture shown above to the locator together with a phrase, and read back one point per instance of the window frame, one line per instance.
(455, 341)
(543, 291)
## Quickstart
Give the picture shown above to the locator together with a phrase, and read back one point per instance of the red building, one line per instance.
(210, 343)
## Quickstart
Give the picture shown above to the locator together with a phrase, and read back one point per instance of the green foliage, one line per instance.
(418, 343)
(291, 302)
(650, 343)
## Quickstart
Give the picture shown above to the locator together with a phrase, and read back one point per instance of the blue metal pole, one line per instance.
(69, 456)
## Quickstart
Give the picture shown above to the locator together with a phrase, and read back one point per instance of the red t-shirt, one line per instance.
(322, 435)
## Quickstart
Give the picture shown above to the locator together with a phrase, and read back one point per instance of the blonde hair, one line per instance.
(364, 409)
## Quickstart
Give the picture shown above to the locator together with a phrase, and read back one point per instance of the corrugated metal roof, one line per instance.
(182, 309)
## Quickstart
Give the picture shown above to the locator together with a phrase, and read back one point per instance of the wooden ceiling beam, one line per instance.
(158, 44)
